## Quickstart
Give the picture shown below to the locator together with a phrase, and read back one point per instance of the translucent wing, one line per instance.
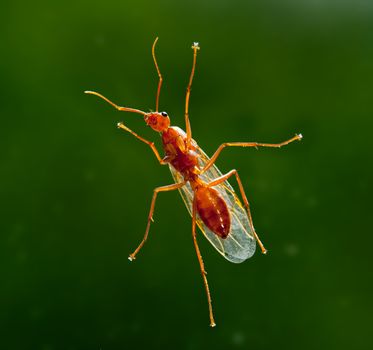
(240, 243)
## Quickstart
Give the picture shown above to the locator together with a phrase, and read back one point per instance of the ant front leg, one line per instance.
(225, 177)
(151, 144)
(122, 126)
(150, 217)
(247, 144)
(195, 48)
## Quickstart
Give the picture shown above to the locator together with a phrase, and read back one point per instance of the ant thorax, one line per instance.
(183, 159)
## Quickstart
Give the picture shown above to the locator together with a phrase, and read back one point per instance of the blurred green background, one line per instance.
(75, 190)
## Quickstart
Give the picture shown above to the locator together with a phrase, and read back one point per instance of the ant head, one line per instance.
(158, 121)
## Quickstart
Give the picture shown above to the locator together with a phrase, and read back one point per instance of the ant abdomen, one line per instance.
(213, 211)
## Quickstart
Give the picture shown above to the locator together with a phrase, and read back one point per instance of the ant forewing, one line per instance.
(207, 194)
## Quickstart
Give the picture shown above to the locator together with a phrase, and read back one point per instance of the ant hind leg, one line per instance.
(202, 265)
(225, 177)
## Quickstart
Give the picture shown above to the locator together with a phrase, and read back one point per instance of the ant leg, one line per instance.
(247, 144)
(151, 144)
(201, 265)
(150, 217)
(122, 126)
(159, 75)
(225, 177)
(195, 48)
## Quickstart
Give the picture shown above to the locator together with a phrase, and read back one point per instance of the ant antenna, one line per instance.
(124, 109)
(159, 74)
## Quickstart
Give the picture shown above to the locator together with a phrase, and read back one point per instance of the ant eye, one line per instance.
(164, 114)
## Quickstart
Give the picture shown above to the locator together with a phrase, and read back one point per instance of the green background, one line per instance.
(75, 191)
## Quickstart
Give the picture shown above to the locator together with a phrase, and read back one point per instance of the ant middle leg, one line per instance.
(150, 217)
(247, 144)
